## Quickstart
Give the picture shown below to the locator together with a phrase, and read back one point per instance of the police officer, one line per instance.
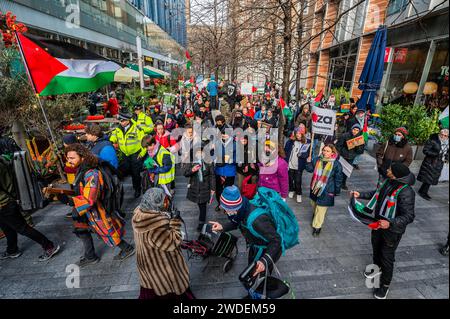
(159, 162)
(127, 138)
(144, 122)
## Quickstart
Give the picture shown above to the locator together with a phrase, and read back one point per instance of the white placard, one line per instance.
(347, 168)
(247, 88)
(323, 121)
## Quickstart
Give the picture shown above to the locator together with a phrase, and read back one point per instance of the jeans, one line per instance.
(295, 181)
(88, 244)
(131, 164)
(12, 223)
(384, 245)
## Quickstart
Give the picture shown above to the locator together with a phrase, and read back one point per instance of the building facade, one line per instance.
(107, 27)
(416, 54)
(170, 15)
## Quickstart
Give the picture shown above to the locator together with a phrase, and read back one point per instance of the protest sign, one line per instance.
(246, 88)
(347, 168)
(323, 121)
(354, 142)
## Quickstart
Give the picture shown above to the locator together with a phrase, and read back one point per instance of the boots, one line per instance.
(444, 250)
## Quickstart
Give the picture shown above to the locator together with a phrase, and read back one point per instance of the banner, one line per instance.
(323, 121)
(246, 88)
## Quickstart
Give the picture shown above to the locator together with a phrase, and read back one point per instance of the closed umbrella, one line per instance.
(372, 73)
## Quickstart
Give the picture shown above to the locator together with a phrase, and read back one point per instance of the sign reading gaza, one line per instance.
(323, 121)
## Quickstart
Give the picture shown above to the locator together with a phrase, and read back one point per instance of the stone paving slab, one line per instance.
(330, 266)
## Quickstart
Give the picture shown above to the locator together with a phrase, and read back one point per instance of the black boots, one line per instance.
(316, 232)
(444, 250)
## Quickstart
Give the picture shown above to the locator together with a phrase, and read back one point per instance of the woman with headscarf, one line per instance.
(436, 154)
(163, 272)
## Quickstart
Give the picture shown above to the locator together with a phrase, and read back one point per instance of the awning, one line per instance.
(126, 75)
(150, 71)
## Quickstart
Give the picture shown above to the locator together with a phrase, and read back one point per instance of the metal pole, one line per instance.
(425, 72)
(140, 62)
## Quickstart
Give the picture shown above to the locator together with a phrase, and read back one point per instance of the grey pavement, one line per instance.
(329, 266)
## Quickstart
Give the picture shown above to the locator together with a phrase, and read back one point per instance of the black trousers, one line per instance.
(213, 102)
(12, 223)
(203, 207)
(229, 181)
(295, 181)
(88, 244)
(424, 188)
(133, 166)
(384, 245)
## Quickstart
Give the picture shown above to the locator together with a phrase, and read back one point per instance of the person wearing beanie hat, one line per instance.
(163, 271)
(238, 208)
(127, 139)
(347, 150)
(395, 150)
(393, 206)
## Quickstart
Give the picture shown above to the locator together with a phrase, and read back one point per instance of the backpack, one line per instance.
(113, 192)
(268, 201)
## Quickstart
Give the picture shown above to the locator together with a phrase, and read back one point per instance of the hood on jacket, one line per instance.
(409, 179)
(144, 221)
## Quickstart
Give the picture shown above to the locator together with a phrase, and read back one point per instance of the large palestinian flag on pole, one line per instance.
(57, 67)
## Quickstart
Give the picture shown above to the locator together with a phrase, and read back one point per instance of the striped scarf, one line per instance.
(321, 174)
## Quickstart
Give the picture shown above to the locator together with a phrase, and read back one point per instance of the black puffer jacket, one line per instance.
(341, 146)
(404, 214)
(432, 164)
(200, 192)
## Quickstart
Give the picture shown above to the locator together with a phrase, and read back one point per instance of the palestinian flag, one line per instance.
(443, 118)
(359, 212)
(365, 130)
(318, 98)
(57, 67)
(189, 62)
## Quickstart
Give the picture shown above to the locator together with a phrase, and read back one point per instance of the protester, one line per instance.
(68, 169)
(304, 117)
(436, 154)
(238, 209)
(297, 152)
(393, 204)
(127, 139)
(100, 145)
(112, 106)
(201, 186)
(248, 167)
(347, 152)
(164, 138)
(273, 172)
(325, 184)
(89, 212)
(212, 89)
(12, 221)
(261, 114)
(163, 272)
(395, 150)
(271, 119)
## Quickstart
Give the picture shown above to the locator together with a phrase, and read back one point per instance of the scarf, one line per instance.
(444, 149)
(321, 174)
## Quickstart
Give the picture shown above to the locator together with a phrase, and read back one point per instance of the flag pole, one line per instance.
(37, 96)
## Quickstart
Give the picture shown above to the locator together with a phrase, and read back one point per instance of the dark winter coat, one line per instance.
(432, 165)
(333, 187)
(200, 192)
(341, 146)
(400, 152)
(305, 119)
(404, 214)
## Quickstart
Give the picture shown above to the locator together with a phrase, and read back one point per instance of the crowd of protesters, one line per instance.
(147, 146)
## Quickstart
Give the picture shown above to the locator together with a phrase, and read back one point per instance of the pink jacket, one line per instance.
(275, 177)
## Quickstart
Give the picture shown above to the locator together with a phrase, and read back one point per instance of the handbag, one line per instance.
(248, 189)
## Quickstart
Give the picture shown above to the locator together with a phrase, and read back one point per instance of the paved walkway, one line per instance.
(330, 266)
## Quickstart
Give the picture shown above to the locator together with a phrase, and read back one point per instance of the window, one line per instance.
(342, 65)
(306, 8)
(396, 6)
(351, 24)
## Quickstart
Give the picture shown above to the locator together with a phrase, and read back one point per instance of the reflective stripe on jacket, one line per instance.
(130, 142)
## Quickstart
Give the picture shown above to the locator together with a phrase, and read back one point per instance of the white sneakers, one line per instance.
(291, 194)
(299, 198)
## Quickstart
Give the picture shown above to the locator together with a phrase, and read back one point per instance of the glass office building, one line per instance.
(108, 27)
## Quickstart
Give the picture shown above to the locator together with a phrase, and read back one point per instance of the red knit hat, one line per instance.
(402, 130)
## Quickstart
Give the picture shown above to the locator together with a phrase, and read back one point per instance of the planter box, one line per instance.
(419, 156)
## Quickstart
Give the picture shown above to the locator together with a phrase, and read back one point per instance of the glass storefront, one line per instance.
(408, 63)
(342, 65)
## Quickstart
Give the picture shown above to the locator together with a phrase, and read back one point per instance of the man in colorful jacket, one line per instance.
(89, 213)
(127, 139)
(393, 205)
